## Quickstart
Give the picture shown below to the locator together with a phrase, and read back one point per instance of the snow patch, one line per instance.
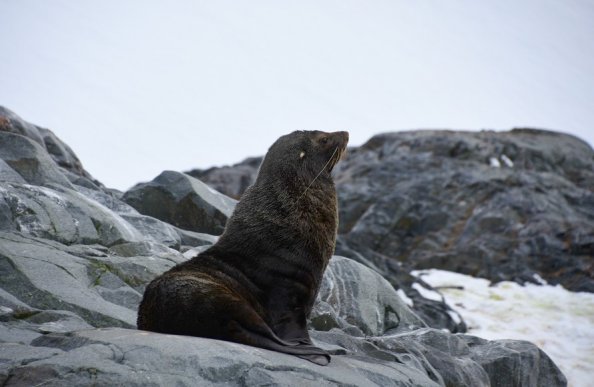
(539, 279)
(454, 316)
(405, 298)
(560, 322)
(426, 293)
(494, 162)
(507, 161)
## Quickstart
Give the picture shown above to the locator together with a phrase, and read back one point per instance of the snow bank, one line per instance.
(559, 321)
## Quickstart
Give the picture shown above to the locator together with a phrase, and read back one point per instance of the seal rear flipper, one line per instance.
(264, 337)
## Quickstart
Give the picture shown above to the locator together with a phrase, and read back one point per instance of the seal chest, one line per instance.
(258, 283)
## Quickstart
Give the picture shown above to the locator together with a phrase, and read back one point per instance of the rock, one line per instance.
(30, 160)
(75, 260)
(182, 201)
(430, 199)
(499, 359)
(154, 229)
(13, 355)
(39, 273)
(12, 123)
(231, 181)
(71, 217)
(434, 311)
(42, 276)
(60, 152)
(23, 326)
(8, 174)
(119, 356)
(66, 216)
(356, 298)
(63, 155)
(369, 335)
(110, 199)
(194, 239)
(80, 181)
(464, 360)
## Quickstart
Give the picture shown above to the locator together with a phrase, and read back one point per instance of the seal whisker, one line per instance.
(318, 175)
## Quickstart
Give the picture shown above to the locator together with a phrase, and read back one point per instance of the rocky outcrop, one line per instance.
(64, 158)
(54, 295)
(116, 356)
(379, 310)
(503, 206)
(182, 201)
(498, 205)
(75, 258)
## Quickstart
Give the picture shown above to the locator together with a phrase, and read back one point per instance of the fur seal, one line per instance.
(258, 283)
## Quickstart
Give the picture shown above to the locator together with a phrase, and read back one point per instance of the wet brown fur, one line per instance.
(258, 283)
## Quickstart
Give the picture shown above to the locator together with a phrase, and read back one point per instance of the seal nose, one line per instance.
(344, 137)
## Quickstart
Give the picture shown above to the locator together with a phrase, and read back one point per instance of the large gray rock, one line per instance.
(182, 201)
(41, 274)
(70, 217)
(12, 123)
(89, 286)
(356, 299)
(63, 215)
(463, 360)
(136, 358)
(121, 356)
(101, 288)
(503, 206)
(30, 160)
(7, 174)
(49, 290)
(74, 258)
(60, 152)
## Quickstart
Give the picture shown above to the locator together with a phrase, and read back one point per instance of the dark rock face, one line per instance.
(498, 205)
(182, 201)
(75, 259)
(502, 206)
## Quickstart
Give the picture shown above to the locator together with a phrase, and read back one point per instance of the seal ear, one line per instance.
(302, 154)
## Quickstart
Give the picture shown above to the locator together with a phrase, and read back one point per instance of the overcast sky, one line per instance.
(139, 87)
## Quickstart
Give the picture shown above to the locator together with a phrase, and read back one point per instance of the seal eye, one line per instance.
(324, 140)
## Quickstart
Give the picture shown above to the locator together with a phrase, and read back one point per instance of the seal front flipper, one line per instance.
(322, 360)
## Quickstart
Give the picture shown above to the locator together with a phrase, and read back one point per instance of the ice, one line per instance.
(426, 293)
(494, 162)
(507, 161)
(405, 298)
(560, 322)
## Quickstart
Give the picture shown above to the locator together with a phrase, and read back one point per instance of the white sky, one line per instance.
(139, 87)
